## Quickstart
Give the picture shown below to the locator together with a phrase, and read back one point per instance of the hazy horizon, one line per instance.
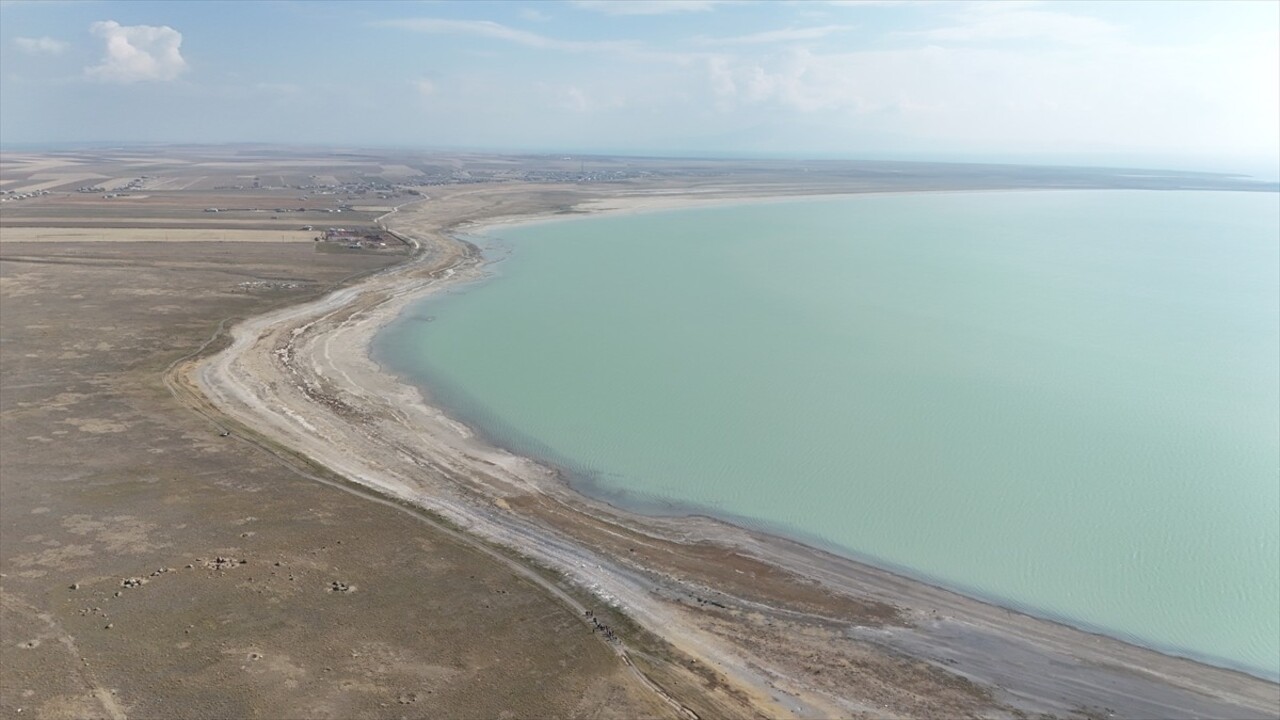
(1179, 85)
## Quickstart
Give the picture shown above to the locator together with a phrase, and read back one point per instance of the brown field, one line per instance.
(49, 181)
(266, 210)
(97, 233)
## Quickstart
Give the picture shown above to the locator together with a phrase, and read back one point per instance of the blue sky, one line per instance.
(1191, 83)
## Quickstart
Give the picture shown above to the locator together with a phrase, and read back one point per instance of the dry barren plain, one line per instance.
(234, 612)
(150, 567)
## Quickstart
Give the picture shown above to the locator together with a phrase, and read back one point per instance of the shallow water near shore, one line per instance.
(1067, 402)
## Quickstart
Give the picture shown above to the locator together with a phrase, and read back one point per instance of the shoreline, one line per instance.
(318, 391)
(582, 482)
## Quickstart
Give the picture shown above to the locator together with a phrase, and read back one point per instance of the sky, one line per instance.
(1178, 84)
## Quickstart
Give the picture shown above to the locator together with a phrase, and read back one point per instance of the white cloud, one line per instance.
(777, 36)
(576, 100)
(137, 53)
(995, 21)
(40, 46)
(582, 100)
(425, 87)
(648, 7)
(498, 31)
(1211, 98)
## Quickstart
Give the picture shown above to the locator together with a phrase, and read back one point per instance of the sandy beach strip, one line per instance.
(794, 630)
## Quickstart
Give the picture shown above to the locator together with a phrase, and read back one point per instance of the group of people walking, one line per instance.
(597, 626)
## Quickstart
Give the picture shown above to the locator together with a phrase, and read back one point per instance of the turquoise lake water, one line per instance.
(1067, 402)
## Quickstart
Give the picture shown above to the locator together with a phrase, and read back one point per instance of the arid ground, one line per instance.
(108, 478)
(164, 556)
